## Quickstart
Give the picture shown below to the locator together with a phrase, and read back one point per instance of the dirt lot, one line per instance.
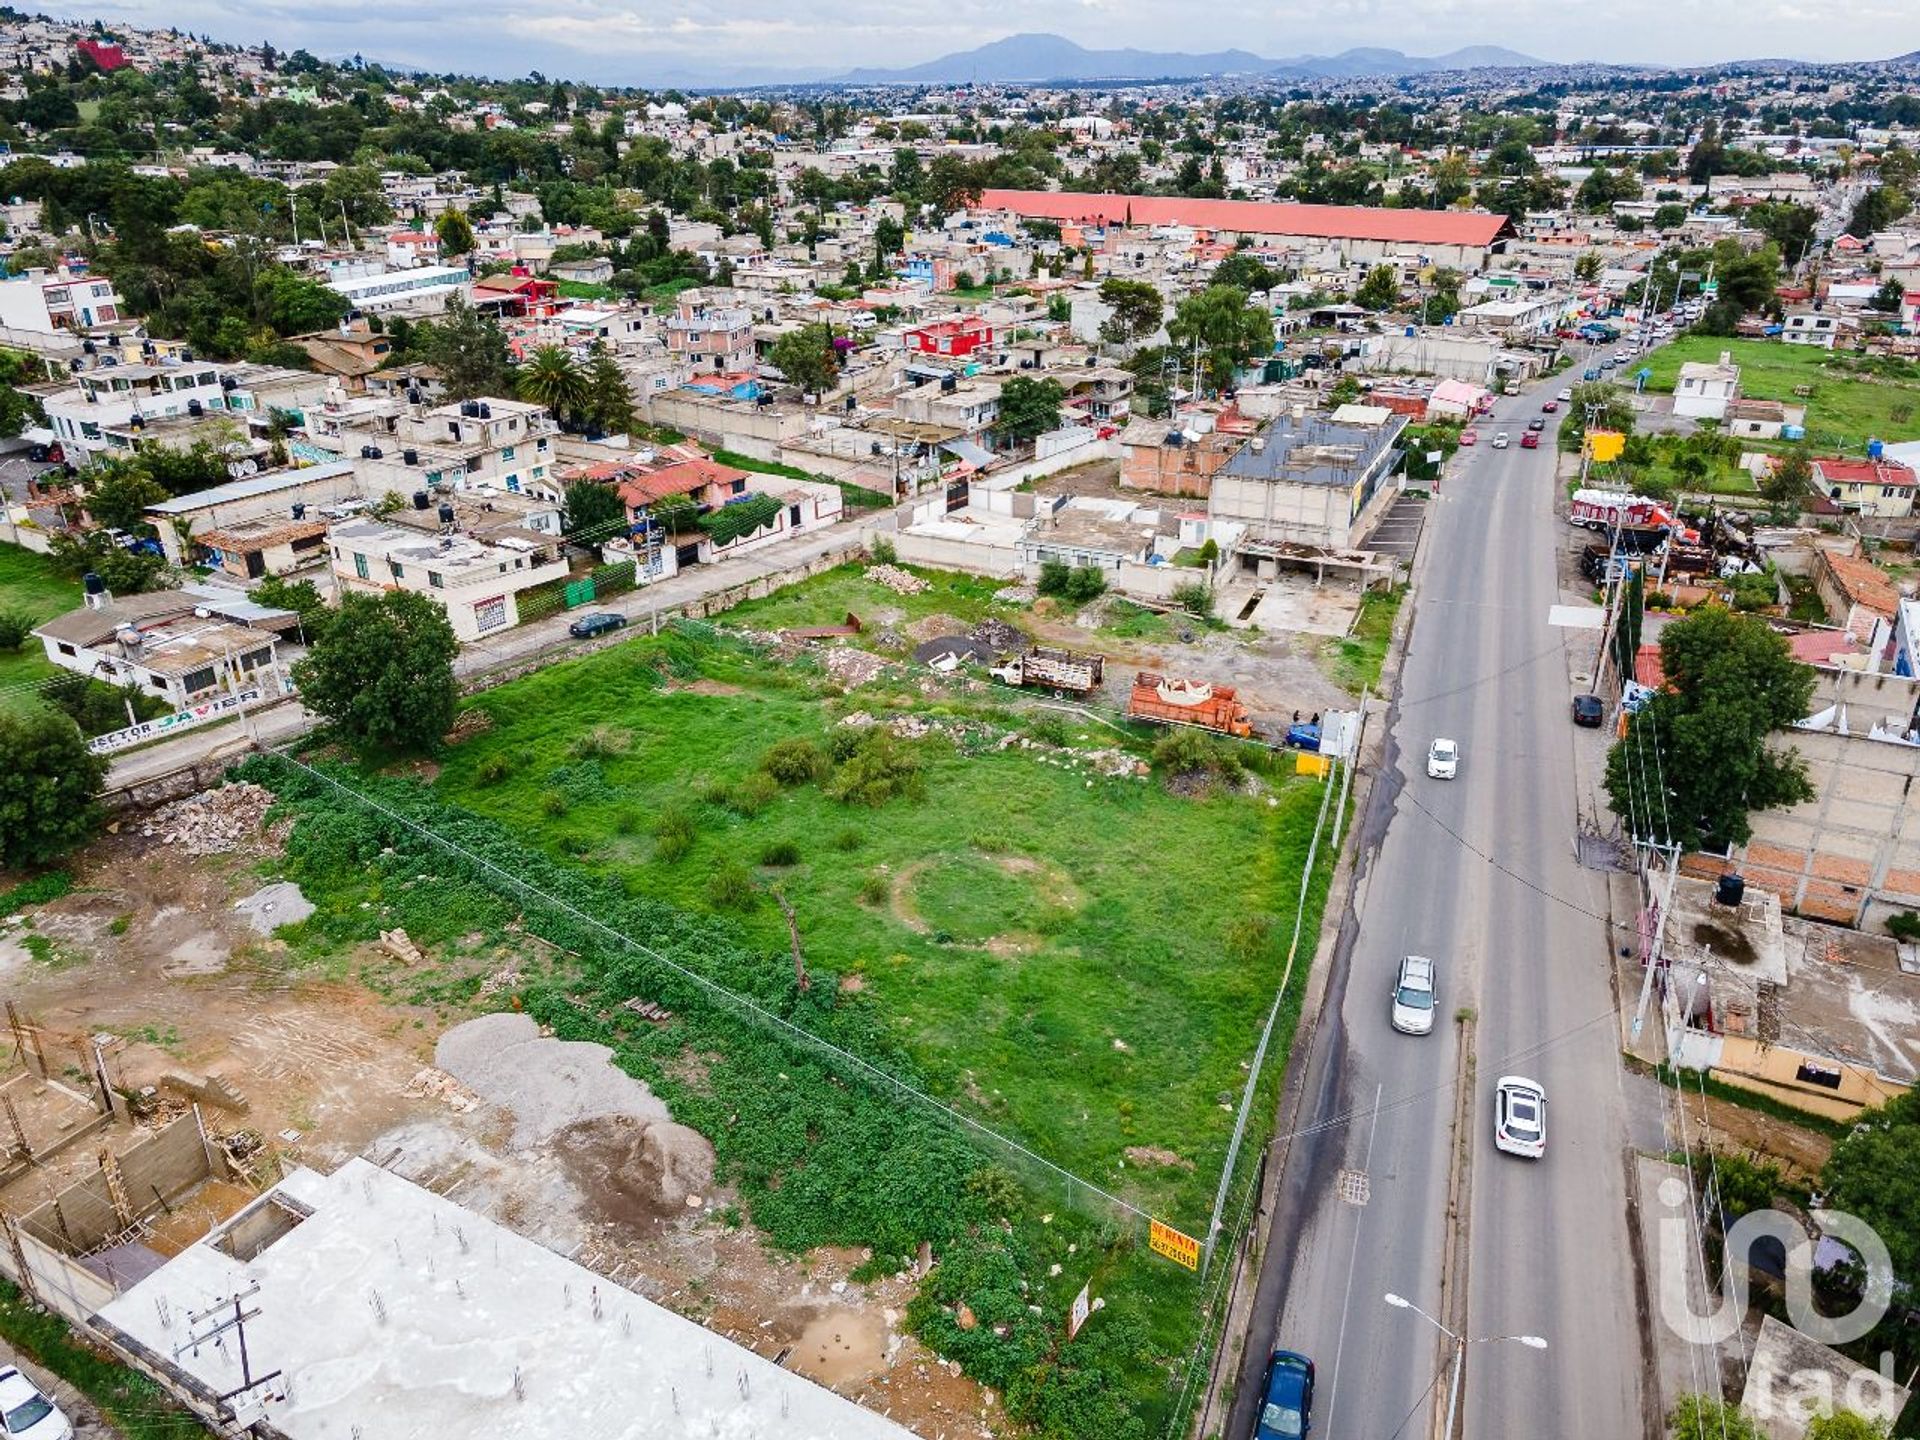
(150, 951)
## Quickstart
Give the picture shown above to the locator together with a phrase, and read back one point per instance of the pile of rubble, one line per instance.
(1000, 637)
(216, 822)
(850, 666)
(1113, 763)
(434, 1084)
(896, 579)
(471, 723)
(1017, 595)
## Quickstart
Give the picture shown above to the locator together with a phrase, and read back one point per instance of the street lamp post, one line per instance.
(1460, 1343)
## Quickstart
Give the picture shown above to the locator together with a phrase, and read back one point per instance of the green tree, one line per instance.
(609, 395)
(1230, 332)
(1137, 308)
(455, 232)
(1669, 217)
(1380, 290)
(1697, 759)
(1587, 266)
(1877, 210)
(1345, 391)
(1603, 187)
(1788, 482)
(1846, 1425)
(1697, 1417)
(807, 358)
(551, 378)
(470, 352)
(1886, 300)
(592, 512)
(294, 305)
(1874, 1173)
(382, 671)
(119, 492)
(1028, 407)
(889, 236)
(1243, 271)
(49, 787)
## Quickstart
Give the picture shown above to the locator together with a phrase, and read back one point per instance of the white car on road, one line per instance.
(1564, 396)
(26, 1414)
(1414, 997)
(1520, 1117)
(1443, 760)
(1500, 441)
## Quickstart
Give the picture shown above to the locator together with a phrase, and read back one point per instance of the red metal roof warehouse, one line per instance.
(1254, 217)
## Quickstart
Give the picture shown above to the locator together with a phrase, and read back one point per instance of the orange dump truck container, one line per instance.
(1166, 701)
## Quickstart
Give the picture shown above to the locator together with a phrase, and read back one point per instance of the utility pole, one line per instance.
(1659, 939)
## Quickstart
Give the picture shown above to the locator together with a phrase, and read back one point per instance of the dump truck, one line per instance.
(1047, 667)
(1165, 701)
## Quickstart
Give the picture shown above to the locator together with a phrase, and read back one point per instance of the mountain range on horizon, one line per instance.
(1040, 57)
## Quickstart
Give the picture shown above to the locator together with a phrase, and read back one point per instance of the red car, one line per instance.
(1530, 440)
(1469, 437)
(1549, 406)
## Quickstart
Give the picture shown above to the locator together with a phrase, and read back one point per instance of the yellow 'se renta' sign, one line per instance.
(1605, 445)
(1164, 1240)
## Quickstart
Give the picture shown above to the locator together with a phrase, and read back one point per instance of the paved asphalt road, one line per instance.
(1479, 874)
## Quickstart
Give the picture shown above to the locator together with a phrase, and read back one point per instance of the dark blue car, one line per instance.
(1286, 1398)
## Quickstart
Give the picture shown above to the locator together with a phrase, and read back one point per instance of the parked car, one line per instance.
(1469, 437)
(1443, 759)
(1286, 1398)
(26, 1413)
(588, 626)
(1303, 737)
(1589, 710)
(1530, 440)
(1536, 423)
(1520, 1117)
(1592, 372)
(1500, 441)
(1414, 997)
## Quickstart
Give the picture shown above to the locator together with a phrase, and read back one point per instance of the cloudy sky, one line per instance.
(657, 41)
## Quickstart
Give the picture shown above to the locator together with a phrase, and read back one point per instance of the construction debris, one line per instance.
(267, 910)
(1017, 595)
(853, 667)
(1000, 637)
(505, 978)
(471, 723)
(647, 1009)
(208, 1090)
(430, 1083)
(396, 944)
(897, 580)
(216, 822)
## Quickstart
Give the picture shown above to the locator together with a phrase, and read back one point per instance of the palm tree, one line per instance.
(550, 378)
(609, 396)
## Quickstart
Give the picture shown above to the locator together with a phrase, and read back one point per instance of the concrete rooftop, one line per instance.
(395, 1314)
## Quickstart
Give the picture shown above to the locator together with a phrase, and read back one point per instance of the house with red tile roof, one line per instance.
(1881, 488)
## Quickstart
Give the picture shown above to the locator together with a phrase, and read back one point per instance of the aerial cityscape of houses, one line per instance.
(693, 761)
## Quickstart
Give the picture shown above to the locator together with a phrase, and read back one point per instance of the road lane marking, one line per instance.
(1353, 1258)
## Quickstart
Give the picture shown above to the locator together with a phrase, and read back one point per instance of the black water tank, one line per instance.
(1729, 889)
(421, 499)
(410, 457)
(93, 584)
(299, 510)
(446, 513)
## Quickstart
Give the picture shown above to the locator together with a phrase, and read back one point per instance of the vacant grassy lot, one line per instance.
(1355, 662)
(1847, 402)
(1081, 961)
(29, 583)
(1014, 930)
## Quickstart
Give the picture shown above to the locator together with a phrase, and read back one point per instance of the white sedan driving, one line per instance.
(1520, 1117)
(1443, 760)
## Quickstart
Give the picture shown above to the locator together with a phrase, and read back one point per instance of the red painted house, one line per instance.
(962, 336)
(107, 57)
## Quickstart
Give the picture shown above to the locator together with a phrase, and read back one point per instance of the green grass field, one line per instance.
(1013, 930)
(1080, 962)
(1847, 404)
(29, 583)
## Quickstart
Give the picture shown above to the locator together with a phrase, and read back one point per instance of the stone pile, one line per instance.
(895, 579)
(214, 822)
